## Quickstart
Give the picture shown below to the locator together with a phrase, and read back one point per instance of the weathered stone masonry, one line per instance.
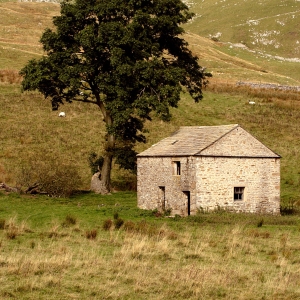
(217, 177)
(204, 168)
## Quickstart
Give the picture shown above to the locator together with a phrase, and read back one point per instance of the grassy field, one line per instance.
(34, 133)
(59, 249)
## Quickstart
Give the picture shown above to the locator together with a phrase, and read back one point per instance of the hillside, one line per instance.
(268, 26)
(214, 35)
(31, 131)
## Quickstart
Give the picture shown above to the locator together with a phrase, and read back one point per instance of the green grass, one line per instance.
(34, 133)
(47, 252)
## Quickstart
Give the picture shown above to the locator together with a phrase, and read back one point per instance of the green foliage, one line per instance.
(95, 162)
(48, 175)
(126, 57)
(126, 157)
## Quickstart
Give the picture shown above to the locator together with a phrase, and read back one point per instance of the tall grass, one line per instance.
(226, 257)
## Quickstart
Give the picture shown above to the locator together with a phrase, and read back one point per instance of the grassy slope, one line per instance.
(266, 25)
(21, 25)
(31, 129)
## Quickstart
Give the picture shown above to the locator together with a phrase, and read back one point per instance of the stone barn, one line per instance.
(206, 168)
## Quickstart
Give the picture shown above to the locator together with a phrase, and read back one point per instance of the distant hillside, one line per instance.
(236, 40)
(21, 26)
(265, 34)
(269, 26)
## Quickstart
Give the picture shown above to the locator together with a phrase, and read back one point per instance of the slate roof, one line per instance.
(192, 140)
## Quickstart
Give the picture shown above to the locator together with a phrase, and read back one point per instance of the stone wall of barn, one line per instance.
(218, 176)
(159, 187)
(209, 184)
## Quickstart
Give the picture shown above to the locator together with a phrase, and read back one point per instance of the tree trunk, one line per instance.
(100, 183)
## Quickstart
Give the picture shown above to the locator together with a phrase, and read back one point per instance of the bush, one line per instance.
(2, 223)
(91, 234)
(129, 226)
(12, 233)
(288, 209)
(118, 223)
(69, 220)
(260, 223)
(107, 224)
(48, 175)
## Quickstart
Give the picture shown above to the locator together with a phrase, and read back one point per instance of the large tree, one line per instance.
(128, 57)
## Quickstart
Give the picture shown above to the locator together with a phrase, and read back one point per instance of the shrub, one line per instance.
(91, 234)
(54, 177)
(260, 223)
(69, 220)
(107, 224)
(288, 209)
(12, 233)
(129, 226)
(2, 223)
(32, 244)
(118, 223)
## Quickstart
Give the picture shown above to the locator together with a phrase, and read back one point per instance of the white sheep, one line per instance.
(251, 102)
(62, 114)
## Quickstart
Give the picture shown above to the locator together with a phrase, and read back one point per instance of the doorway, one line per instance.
(188, 202)
(162, 198)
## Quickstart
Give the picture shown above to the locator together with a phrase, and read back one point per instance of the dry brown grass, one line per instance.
(10, 76)
(217, 85)
(200, 263)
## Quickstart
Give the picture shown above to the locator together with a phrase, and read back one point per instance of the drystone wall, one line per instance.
(273, 86)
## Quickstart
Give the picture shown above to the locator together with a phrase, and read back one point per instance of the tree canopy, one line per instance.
(128, 57)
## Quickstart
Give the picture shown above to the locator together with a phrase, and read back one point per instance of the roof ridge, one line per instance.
(234, 127)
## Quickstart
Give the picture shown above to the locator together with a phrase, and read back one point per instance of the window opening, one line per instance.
(239, 193)
(177, 168)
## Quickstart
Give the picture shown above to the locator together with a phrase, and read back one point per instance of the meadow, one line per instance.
(76, 249)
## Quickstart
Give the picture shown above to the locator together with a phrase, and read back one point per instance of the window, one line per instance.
(239, 193)
(177, 169)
